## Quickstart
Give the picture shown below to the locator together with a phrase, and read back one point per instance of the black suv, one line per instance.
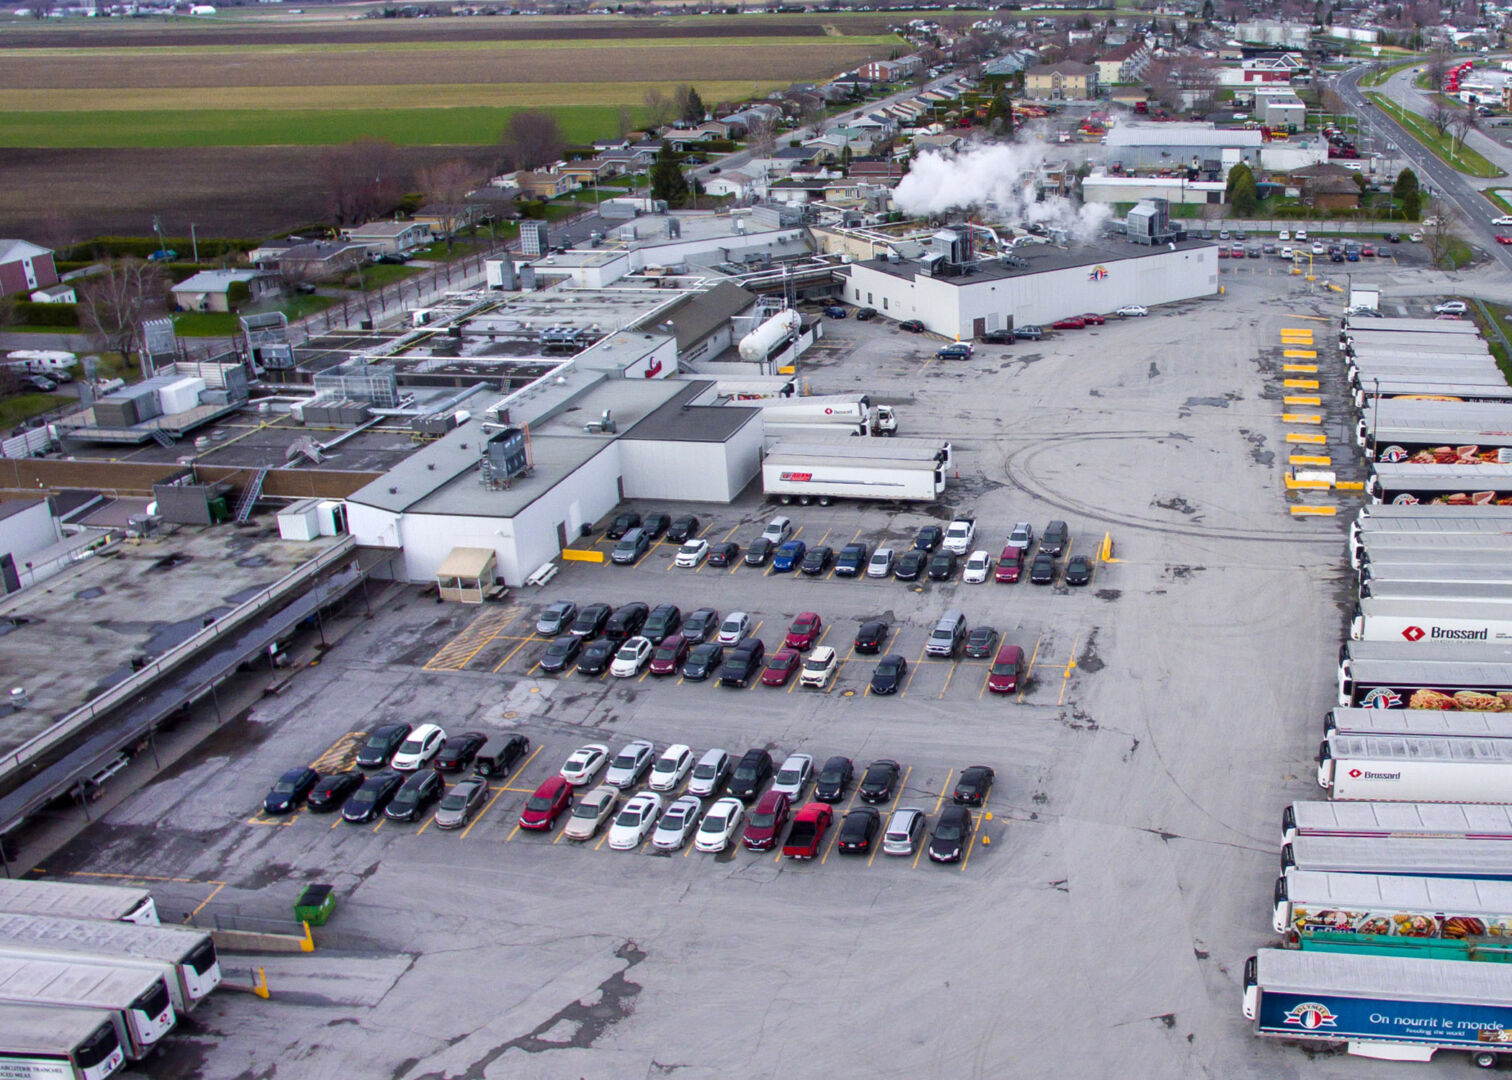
(663, 622)
(381, 745)
(1054, 539)
(751, 775)
(626, 622)
(590, 620)
(744, 663)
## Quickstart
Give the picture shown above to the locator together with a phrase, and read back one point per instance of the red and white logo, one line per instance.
(1414, 633)
(1355, 774)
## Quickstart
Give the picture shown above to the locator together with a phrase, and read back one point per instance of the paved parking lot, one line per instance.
(1120, 874)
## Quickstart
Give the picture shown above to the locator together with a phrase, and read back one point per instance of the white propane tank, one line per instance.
(759, 343)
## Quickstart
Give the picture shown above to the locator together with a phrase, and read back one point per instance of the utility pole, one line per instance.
(194, 240)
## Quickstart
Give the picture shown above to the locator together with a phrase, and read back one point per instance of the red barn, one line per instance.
(25, 266)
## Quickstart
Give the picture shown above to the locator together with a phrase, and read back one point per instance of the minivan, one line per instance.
(1006, 671)
(630, 547)
(947, 635)
(743, 663)
(1054, 539)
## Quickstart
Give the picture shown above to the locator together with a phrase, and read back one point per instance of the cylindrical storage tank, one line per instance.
(759, 343)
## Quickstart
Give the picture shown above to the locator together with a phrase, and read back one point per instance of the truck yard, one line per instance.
(1168, 712)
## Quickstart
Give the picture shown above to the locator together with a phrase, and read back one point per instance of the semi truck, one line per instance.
(1424, 723)
(1412, 856)
(1453, 485)
(138, 1001)
(1384, 1007)
(1425, 652)
(1415, 768)
(807, 471)
(73, 900)
(1403, 684)
(1451, 821)
(1443, 545)
(1350, 324)
(1420, 619)
(1360, 339)
(1436, 432)
(1391, 905)
(1481, 569)
(824, 416)
(38, 1042)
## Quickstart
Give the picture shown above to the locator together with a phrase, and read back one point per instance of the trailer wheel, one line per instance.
(825, 500)
(1484, 1059)
(805, 500)
(786, 500)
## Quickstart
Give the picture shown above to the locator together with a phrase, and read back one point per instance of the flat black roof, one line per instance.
(677, 421)
(1038, 258)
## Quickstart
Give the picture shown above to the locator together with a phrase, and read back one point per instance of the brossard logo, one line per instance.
(1439, 633)
(1361, 774)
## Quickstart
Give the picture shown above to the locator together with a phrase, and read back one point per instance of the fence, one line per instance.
(27, 444)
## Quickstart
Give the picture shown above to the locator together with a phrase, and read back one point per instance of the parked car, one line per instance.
(880, 781)
(1029, 333)
(700, 625)
(881, 563)
(913, 326)
(816, 560)
(671, 767)
(819, 667)
(623, 522)
(781, 668)
(942, 565)
(560, 654)
(499, 754)
(751, 774)
(1010, 565)
(834, 779)
(419, 792)
(382, 744)
(778, 530)
(710, 774)
(1093, 319)
(670, 655)
(635, 822)
(1007, 670)
(759, 552)
(1451, 307)
(663, 621)
(1078, 570)
(736, 625)
(683, 528)
(834, 311)
(630, 764)
(655, 525)
(626, 623)
(973, 785)
(461, 802)
(959, 350)
(804, 630)
(692, 553)
(584, 763)
(556, 618)
(720, 825)
(789, 556)
(369, 800)
(724, 553)
(596, 657)
(905, 828)
(911, 565)
(331, 790)
(889, 673)
(1075, 322)
(866, 313)
(857, 831)
(871, 637)
(546, 804)
(632, 658)
(768, 819)
(928, 538)
(978, 565)
(1042, 570)
(851, 560)
(589, 815)
(416, 751)
(289, 790)
(1134, 311)
(794, 775)
(952, 832)
(591, 620)
(1054, 539)
(677, 824)
(981, 643)
(997, 337)
(458, 751)
(703, 661)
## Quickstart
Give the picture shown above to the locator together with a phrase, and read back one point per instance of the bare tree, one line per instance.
(761, 136)
(1438, 70)
(448, 186)
(1438, 231)
(1462, 123)
(531, 139)
(41, 9)
(361, 179)
(1440, 114)
(659, 108)
(114, 304)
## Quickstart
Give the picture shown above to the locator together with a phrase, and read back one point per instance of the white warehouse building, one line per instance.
(1037, 285)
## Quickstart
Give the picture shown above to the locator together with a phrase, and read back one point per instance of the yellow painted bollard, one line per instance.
(260, 985)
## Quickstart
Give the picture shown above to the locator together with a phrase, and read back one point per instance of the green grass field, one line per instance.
(20, 407)
(1461, 159)
(226, 324)
(301, 127)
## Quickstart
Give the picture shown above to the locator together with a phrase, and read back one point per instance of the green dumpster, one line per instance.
(315, 905)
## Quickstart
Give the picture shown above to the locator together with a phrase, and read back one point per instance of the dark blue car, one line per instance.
(788, 556)
(292, 788)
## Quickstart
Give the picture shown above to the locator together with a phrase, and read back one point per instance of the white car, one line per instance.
(778, 530)
(671, 767)
(632, 656)
(1318, 248)
(905, 828)
(1022, 536)
(692, 553)
(588, 815)
(1429, 222)
(630, 764)
(1132, 311)
(1288, 253)
(720, 825)
(422, 745)
(978, 565)
(1283, 235)
(733, 630)
(881, 564)
(1416, 238)
(794, 776)
(678, 823)
(1300, 235)
(1451, 307)
(1505, 219)
(635, 821)
(584, 763)
(819, 666)
(712, 770)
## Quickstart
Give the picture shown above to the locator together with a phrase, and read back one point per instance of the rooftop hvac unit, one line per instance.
(506, 454)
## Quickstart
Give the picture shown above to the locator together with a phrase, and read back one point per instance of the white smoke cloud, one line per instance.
(1000, 176)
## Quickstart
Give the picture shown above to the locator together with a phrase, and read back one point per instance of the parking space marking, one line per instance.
(948, 676)
(835, 826)
(1024, 689)
(983, 816)
(527, 638)
(729, 534)
(481, 813)
(457, 653)
(890, 808)
(341, 755)
(1066, 678)
(261, 818)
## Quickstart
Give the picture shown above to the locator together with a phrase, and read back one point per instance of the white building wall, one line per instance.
(680, 471)
(743, 457)
(24, 534)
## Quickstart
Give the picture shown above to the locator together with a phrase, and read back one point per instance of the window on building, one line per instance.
(884, 303)
(868, 298)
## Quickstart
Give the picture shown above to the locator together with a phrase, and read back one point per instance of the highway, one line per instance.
(1475, 212)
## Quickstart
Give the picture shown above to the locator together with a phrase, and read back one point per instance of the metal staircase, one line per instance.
(250, 495)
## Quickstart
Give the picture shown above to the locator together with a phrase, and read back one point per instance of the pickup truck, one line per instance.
(808, 830)
(959, 535)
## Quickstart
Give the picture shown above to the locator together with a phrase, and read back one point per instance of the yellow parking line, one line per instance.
(882, 827)
(835, 827)
(1301, 399)
(730, 533)
(512, 832)
(1066, 678)
(946, 787)
(516, 649)
(1305, 437)
(481, 813)
(981, 819)
(986, 678)
(948, 676)
(1024, 686)
(1300, 369)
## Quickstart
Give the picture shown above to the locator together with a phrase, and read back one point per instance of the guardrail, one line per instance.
(39, 744)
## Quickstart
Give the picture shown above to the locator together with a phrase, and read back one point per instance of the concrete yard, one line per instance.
(74, 636)
(1100, 922)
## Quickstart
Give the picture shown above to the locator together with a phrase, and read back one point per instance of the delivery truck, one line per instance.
(1426, 723)
(1415, 768)
(1391, 905)
(138, 1001)
(1449, 622)
(1384, 1007)
(808, 471)
(1412, 856)
(1451, 821)
(38, 1042)
(824, 416)
(1426, 389)
(1451, 485)
(1398, 684)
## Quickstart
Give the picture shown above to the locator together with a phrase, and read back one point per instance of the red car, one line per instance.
(1006, 671)
(1222, 252)
(1010, 565)
(767, 820)
(669, 655)
(1076, 322)
(1093, 319)
(804, 631)
(807, 833)
(780, 668)
(1503, 238)
(546, 805)
(1370, 251)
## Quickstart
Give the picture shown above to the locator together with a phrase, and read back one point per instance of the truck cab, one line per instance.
(883, 420)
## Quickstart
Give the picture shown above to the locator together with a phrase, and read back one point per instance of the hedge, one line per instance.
(32, 314)
(142, 246)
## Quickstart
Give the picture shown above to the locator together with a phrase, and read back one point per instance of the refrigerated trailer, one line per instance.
(1391, 905)
(1361, 340)
(1404, 483)
(1451, 821)
(192, 968)
(1404, 684)
(1444, 545)
(1384, 1007)
(1416, 768)
(38, 1042)
(72, 900)
(1415, 723)
(822, 471)
(1471, 568)
(1400, 325)
(1434, 432)
(1411, 856)
(1430, 389)
(139, 1003)
(1425, 652)
(1449, 622)
(1468, 592)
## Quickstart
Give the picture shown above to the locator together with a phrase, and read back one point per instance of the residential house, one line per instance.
(945, 143)
(55, 294)
(439, 217)
(600, 145)
(1261, 70)
(791, 192)
(1126, 63)
(828, 147)
(1328, 186)
(882, 71)
(1065, 81)
(320, 259)
(25, 266)
(541, 184)
(633, 159)
(267, 254)
(742, 121)
(732, 182)
(389, 237)
(588, 172)
(875, 169)
(209, 290)
(780, 162)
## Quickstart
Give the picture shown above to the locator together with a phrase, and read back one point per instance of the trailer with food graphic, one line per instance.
(1418, 723)
(1426, 388)
(1410, 684)
(1436, 433)
(1390, 1008)
(1405, 483)
(1449, 821)
(1411, 856)
(1308, 902)
(1403, 768)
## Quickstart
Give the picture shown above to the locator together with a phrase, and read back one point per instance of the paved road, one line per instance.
(1475, 212)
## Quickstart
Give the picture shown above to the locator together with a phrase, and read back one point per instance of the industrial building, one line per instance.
(1168, 146)
(960, 297)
